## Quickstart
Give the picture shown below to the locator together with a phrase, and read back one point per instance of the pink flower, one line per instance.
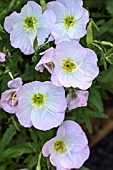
(46, 61)
(69, 149)
(71, 19)
(2, 57)
(78, 98)
(9, 101)
(75, 66)
(41, 104)
(15, 83)
(29, 24)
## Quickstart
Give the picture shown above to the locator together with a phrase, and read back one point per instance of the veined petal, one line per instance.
(46, 147)
(48, 20)
(72, 6)
(54, 79)
(42, 34)
(58, 8)
(21, 40)
(60, 33)
(11, 20)
(54, 99)
(45, 119)
(23, 113)
(74, 159)
(31, 8)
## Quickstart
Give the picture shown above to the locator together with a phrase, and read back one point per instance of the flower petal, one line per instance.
(45, 149)
(58, 9)
(10, 21)
(45, 119)
(24, 110)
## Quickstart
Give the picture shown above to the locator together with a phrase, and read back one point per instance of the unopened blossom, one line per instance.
(46, 61)
(77, 98)
(71, 19)
(9, 101)
(41, 104)
(15, 83)
(30, 23)
(2, 57)
(69, 148)
(75, 66)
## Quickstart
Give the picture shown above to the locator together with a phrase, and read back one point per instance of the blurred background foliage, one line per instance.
(21, 147)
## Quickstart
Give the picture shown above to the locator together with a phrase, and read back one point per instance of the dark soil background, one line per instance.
(101, 155)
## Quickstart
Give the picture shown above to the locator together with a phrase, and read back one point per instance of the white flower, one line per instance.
(71, 19)
(30, 23)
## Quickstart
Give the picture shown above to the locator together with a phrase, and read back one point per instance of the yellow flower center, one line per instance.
(69, 65)
(69, 21)
(38, 100)
(59, 146)
(30, 23)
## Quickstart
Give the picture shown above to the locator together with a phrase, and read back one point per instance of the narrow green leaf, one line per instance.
(83, 168)
(95, 100)
(16, 151)
(35, 45)
(3, 167)
(1, 29)
(96, 114)
(12, 153)
(89, 36)
(87, 121)
(106, 43)
(43, 4)
(33, 161)
(11, 5)
(109, 59)
(39, 159)
(10, 132)
(106, 76)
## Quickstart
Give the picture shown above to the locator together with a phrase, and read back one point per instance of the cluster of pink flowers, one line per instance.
(43, 104)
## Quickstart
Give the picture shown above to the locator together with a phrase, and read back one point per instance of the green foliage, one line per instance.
(21, 147)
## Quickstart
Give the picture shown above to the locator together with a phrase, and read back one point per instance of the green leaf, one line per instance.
(12, 153)
(39, 159)
(106, 76)
(95, 100)
(96, 114)
(17, 151)
(35, 45)
(105, 43)
(43, 4)
(3, 167)
(110, 6)
(11, 5)
(83, 168)
(1, 29)
(10, 132)
(88, 122)
(33, 161)
(109, 59)
(89, 36)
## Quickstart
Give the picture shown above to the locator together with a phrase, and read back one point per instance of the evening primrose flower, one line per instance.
(69, 149)
(2, 57)
(71, 19)
(30, 23)
(9, 101)
(46, 61)
(77, 98)
(75, 66)
(41, 104)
